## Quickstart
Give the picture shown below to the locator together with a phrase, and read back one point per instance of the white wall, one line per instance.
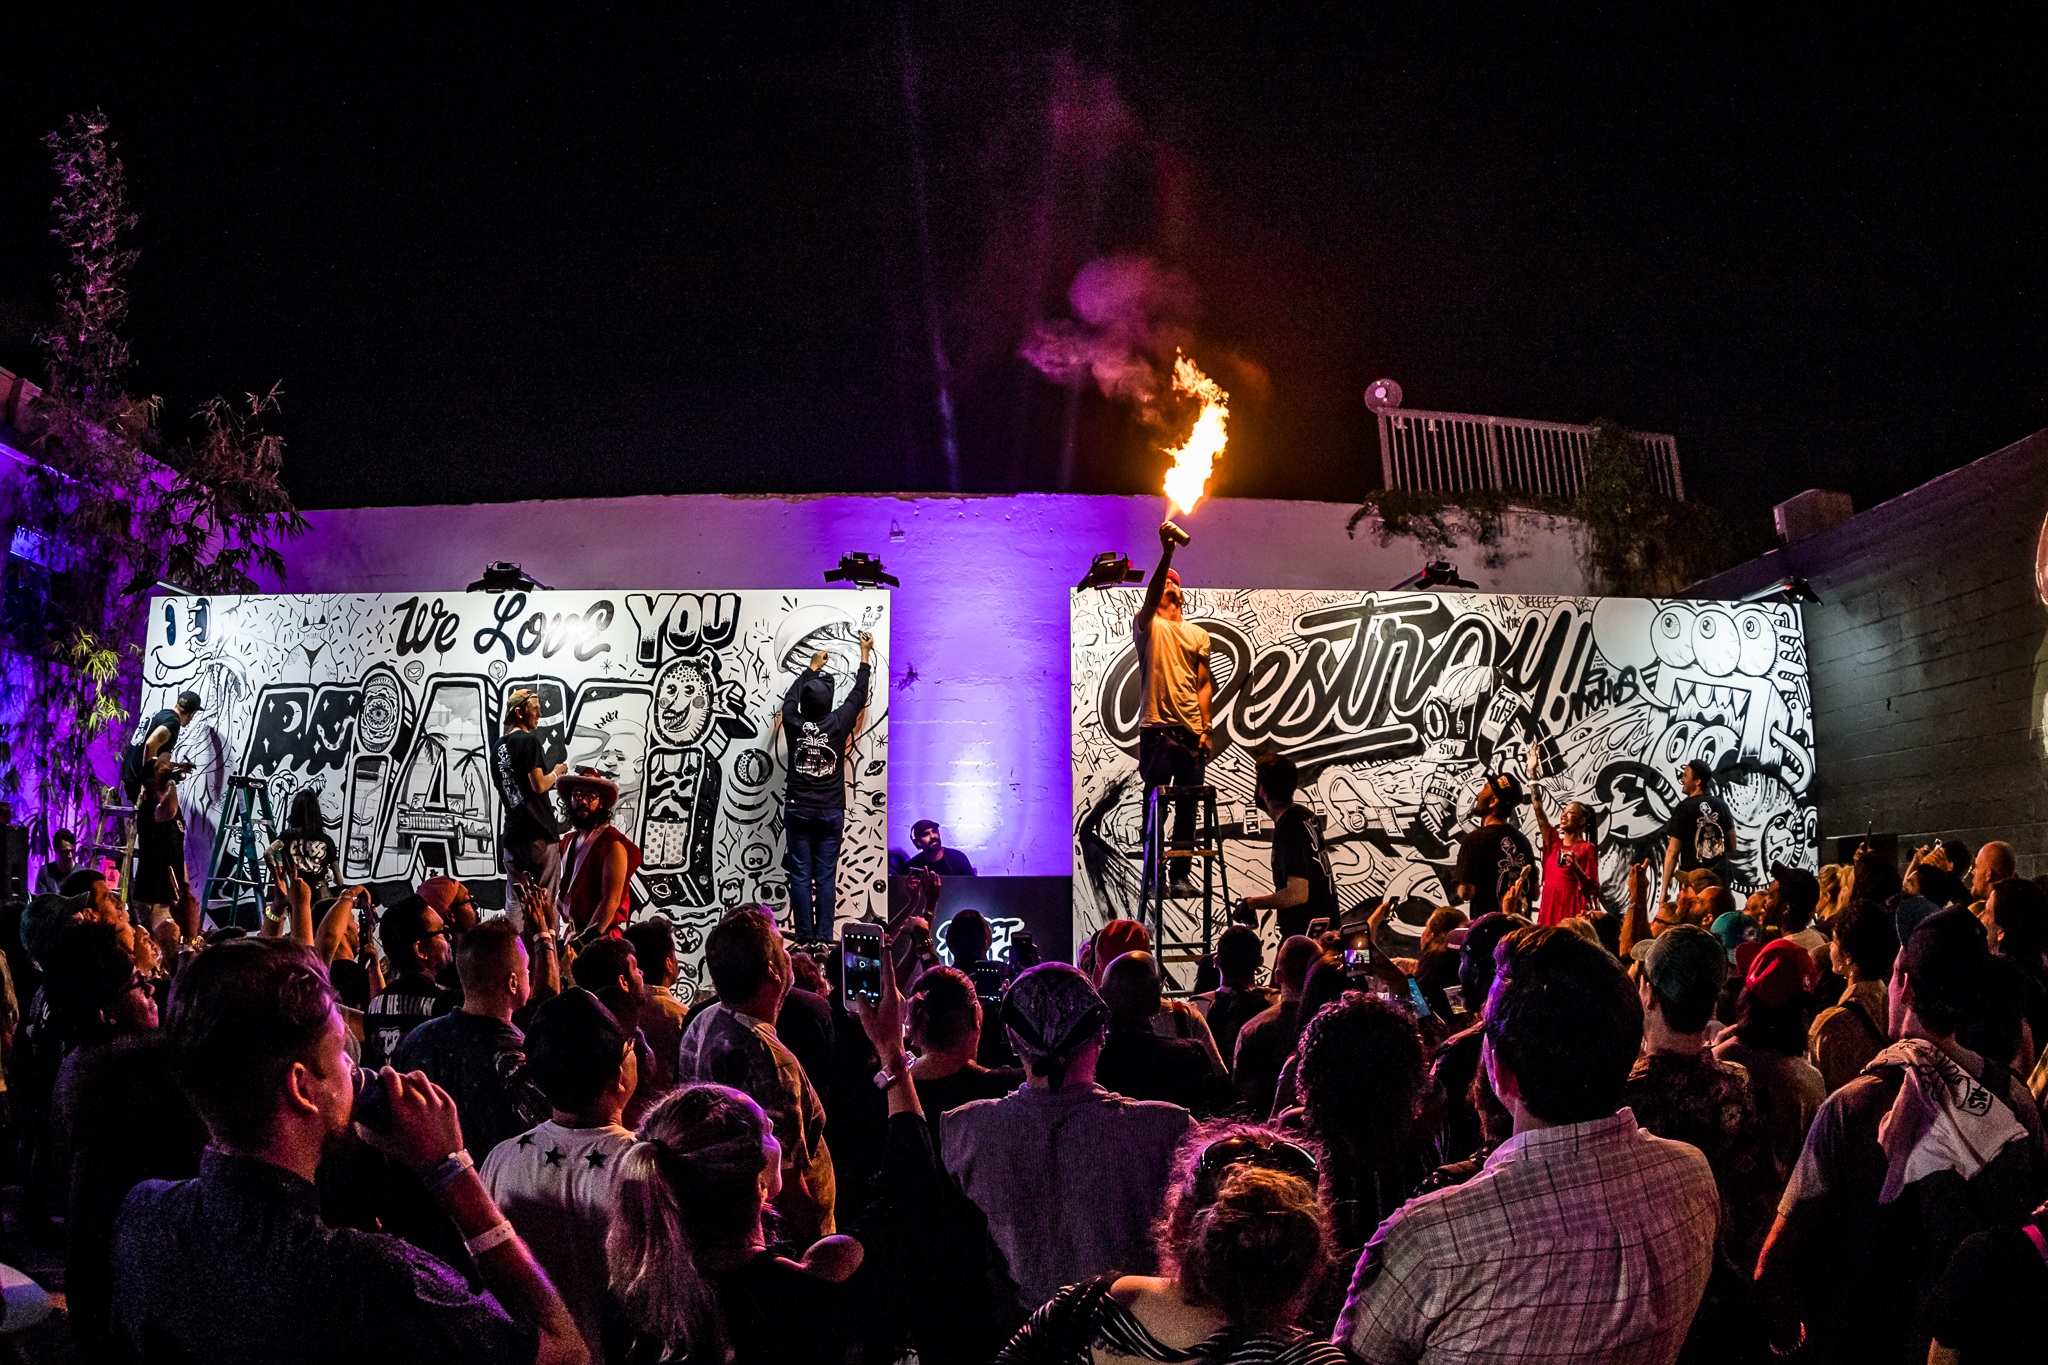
(980, 706)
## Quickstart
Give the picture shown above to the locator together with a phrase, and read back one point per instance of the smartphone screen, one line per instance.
(860, 964)
(1318, 927)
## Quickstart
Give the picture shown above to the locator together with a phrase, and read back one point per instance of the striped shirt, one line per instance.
(1082, 1317)
(1588, 1242)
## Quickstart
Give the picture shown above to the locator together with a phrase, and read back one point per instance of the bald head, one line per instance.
(1995, 862)
(1131, 988)
(1290, 968)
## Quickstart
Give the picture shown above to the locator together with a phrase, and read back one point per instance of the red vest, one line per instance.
(583, 891)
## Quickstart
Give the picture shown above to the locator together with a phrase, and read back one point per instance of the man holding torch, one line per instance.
(1175, 683)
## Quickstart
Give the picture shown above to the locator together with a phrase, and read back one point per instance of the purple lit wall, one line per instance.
(980, 702)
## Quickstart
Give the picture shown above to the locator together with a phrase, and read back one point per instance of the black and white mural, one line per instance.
(1395, 705)
(387, 704)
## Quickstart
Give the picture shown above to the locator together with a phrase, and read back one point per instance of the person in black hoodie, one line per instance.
(814, 809)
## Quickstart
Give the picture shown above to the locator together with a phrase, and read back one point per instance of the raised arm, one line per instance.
(1155, 589)
(542, 943)
(1636, 928)
(1670, 868)
(426, 1136)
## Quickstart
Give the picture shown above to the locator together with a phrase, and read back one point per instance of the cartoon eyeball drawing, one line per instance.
(1759, 638)
(1671, 637)
(1715, 642)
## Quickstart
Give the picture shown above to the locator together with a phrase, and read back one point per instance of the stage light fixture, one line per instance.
(504, 576)
(861, 570)
(1790, 589)
(1110, 570)
(1438, 573)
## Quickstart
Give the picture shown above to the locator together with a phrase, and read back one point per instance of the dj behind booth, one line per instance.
(1040, 907)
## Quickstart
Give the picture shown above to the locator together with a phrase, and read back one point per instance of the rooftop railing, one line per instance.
(1451, 452)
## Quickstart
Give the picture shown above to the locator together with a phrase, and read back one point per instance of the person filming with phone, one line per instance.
(692, 1253)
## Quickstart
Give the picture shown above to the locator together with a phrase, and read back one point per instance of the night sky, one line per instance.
(603, 255)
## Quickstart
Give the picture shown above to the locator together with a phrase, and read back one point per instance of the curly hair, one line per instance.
(1363, 1078)
(1252, 1246)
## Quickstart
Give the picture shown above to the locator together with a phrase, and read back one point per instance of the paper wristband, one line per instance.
(489, 1238)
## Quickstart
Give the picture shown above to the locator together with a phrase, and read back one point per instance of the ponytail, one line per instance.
(691, 1185)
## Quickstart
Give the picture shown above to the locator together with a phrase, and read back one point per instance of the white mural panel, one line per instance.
(1395, 705)
(387, 704)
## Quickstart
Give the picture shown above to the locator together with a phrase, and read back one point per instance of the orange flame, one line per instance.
(1195, 458)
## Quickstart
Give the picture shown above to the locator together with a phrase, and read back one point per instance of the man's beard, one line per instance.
(593, 820)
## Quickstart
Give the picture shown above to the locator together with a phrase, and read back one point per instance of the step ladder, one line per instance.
(247, 821)
(1161, 856)
(113, 837)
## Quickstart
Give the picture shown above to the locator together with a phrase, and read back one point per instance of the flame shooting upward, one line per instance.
(1195, 457)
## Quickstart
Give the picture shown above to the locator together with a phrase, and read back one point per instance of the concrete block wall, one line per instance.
(979, 697)
(1929, 658)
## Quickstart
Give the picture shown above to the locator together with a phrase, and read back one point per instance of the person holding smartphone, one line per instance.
(694, 1265)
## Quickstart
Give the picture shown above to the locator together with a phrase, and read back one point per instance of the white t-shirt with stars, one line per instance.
(558, 1186)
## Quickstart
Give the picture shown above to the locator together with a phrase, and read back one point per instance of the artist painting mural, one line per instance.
(386, 705)
(1396, 704)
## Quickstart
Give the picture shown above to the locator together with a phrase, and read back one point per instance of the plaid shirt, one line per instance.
(1589, 1242)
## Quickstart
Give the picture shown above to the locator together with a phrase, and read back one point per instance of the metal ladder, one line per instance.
(1207, 848)
(247, 804)
(114, 834)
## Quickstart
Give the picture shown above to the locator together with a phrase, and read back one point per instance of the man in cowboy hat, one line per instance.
(597, 861)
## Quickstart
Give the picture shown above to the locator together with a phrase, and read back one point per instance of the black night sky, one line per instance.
(601, 254)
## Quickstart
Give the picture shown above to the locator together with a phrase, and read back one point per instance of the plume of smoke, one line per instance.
(1131, 316)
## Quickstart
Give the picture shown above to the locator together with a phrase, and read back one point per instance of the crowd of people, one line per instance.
(1803, 1127)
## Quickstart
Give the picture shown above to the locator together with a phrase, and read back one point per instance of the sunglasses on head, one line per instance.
(1286, 1157)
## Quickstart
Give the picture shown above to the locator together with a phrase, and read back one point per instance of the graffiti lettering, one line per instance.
(423, 628)
(1354, 691)
(550, 635)
(684, 621)
(1395, 706)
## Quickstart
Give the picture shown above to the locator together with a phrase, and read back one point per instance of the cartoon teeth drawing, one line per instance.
(1714, 679)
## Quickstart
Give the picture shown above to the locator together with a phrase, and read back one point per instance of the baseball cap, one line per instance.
(1780, 971)
(1800, 887)
(1116, 938)
(1945, 955)
(440, 892)
(1173, 577)
(1734, 929)
(1686, 962)
(921, 826)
